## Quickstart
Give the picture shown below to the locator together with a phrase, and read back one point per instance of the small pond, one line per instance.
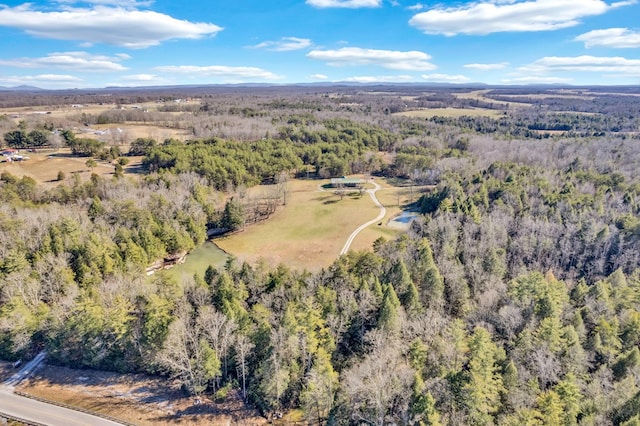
(199, 260)
(403, 220)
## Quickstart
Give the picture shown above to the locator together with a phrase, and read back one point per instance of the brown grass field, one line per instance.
(451, 112)
(44, 166)
(131, 130)
(314, 226)
(137, 398)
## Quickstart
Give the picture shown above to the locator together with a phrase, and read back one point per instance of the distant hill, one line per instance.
(22, 88)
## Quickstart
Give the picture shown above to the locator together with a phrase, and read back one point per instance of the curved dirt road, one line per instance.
(36, 412)
(383, 212)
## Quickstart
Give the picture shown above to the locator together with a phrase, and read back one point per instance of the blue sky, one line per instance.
(85, 44)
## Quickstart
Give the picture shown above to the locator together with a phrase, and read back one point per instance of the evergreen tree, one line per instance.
(389, 317)
(232, 216)
(422, 406)
(484, 385)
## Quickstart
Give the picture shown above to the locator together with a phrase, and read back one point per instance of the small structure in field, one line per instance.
(345, 182)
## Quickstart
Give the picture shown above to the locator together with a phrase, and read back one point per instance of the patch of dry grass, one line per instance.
(44, 166)
(136, 398)
(312, 229)
(451, 112)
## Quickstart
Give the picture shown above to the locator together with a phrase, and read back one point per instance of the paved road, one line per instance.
(38, 412)
(383, 212)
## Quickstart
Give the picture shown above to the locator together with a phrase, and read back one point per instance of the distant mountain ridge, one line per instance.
(316, 85)
(22, 88)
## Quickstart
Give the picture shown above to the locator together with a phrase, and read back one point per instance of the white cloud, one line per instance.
(446, 78)
(381, 79)
(391, 59)
(120, 3)
(602, 64)
(537, 80)
(77, 61)
(516, 16)
(487, 67)
(285, 44)
(319, 77)
(45, 81)
(221, 71)
(142, 78)
(415, 7)
(101, 24)
(613, 37)
(346, 4)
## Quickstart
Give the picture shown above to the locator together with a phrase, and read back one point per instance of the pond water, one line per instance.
(199, 260)
(403, 220)
(406, 217)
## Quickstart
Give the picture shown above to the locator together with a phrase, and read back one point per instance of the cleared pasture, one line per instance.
(44, 167)
(478, 95)
(310, 231)
(118, 132)
(451, 112)
(131, 131)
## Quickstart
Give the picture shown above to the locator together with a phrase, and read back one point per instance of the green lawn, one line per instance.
(198, 261)
(309, 232)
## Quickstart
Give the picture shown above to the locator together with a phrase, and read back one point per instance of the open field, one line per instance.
(127, 131)
(131, 131)
(311, 230)
(564, 95)
(43, 166)
(452, 112)
(477, 95)
(65, 110)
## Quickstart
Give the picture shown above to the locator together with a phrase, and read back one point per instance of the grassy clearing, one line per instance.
(311, 230)
(478, 95)
(44, 166)
(452, 112)
(130, 131)
(133, 131)
(199, 260)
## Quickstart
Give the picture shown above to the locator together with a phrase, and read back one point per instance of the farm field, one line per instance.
(112, 133)
(451, 112)
(311, 230)
(43, 166)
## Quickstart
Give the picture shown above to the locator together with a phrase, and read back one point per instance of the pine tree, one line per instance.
(551, 408)
(570, 396)
(321, 385)
(389, 318)
(428, 276)
(422, 406)
(484, 385)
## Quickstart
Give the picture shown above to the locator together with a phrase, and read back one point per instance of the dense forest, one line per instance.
(513, 299)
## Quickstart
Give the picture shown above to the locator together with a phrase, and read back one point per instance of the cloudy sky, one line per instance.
(82, 44)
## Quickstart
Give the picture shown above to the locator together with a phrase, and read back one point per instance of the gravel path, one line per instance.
(383, 212)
